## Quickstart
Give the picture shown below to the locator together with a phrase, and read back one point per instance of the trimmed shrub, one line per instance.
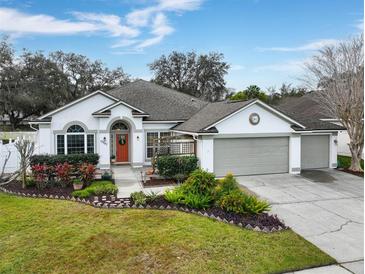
(30, 182)
(177, 167)
(345, 161)
(152, 196)
(41, 176)
(238, 202)
(233, 202)
(63, 174)
(196, 192)
(139, 198)
(197, 201)
(225, 185)
(87, 173)
(72, 159)
(81, 194)
(253, 205)
(97, 188)
(175, 196)
(200, 182)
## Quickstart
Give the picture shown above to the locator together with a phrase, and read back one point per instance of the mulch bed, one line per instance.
(16, 186)
(359, 174)
(263, 220)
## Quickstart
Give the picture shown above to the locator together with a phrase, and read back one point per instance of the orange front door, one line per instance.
(121, 147)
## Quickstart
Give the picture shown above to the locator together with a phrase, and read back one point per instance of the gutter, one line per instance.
(192, 133)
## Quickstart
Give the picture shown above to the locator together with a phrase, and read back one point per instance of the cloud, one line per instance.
(237, 67)
(316, 45)
(135, 31)
(107, 22)
(125, 43)
(13, 21)
(359, 25)
(155, 17)
(180, 5)
(160, 29)
(291, 66)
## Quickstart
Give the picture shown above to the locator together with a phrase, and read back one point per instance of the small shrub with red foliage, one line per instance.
(40, 174)
(63, 174)
(87, 173)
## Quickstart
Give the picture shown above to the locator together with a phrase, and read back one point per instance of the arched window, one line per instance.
(75, 141)
(119, 126)
(75, 129)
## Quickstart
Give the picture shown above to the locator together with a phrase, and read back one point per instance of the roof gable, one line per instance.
(49, 114)
(106, 110)
(208, 118)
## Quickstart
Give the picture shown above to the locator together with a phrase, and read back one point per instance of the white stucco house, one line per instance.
(242, 137)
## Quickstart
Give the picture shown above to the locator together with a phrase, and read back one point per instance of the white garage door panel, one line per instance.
(247, 156)
(314, 151)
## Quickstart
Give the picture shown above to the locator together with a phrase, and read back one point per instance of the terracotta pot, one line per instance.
(77, 186)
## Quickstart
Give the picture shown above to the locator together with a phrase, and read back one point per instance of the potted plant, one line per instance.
(77, 184)
(112, 158)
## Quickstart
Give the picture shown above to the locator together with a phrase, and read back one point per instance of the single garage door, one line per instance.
(314, 151)
(248, 156)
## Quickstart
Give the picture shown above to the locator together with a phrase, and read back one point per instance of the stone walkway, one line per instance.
(128, 180)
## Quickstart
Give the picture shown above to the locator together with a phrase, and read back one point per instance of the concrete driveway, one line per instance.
(324, 206)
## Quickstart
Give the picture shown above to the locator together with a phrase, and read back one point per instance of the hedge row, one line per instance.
(72, 159)
(177, 167)
(345, 161)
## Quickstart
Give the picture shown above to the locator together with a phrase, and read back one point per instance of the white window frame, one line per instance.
(158, 137)
(85, 134)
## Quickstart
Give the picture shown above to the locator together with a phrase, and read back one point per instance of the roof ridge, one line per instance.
(172, 89)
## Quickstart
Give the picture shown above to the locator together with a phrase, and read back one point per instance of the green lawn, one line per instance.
(49, 236)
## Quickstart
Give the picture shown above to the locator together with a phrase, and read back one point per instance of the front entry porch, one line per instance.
(129, 180)
(120, 143)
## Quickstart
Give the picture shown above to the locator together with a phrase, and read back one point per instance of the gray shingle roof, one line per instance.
(305, 111)
(209, 115)
(308, 112)
(161, 103)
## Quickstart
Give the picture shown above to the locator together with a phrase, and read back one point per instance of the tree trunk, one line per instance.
(356, 153)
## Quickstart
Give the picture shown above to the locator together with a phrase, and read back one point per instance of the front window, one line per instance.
(153, 140)
(76, 144)
(75, 141)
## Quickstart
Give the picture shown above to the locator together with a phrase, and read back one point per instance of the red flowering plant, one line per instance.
(87, 173)
(41, 175)
(63, 174)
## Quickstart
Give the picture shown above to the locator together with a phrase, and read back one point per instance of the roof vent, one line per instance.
(192, 99)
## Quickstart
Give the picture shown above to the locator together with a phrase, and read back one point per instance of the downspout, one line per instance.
(30, 125)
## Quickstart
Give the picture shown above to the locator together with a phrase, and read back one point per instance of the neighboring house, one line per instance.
(307, 106)
(242, 137)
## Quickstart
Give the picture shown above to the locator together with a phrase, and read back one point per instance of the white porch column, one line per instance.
(294, 154)
(137, 148)
(44, 141)
(205, 153)
(103, 149)
(333, 150)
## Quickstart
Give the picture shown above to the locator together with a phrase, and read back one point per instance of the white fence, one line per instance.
(13, 162)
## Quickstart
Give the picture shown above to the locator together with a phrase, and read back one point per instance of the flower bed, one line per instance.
(262, 222)
(16, 186)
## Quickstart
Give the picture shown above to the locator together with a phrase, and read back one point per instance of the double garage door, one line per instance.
(248, 156)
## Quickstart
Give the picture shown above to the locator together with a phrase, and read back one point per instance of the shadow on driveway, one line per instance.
(319, 176)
